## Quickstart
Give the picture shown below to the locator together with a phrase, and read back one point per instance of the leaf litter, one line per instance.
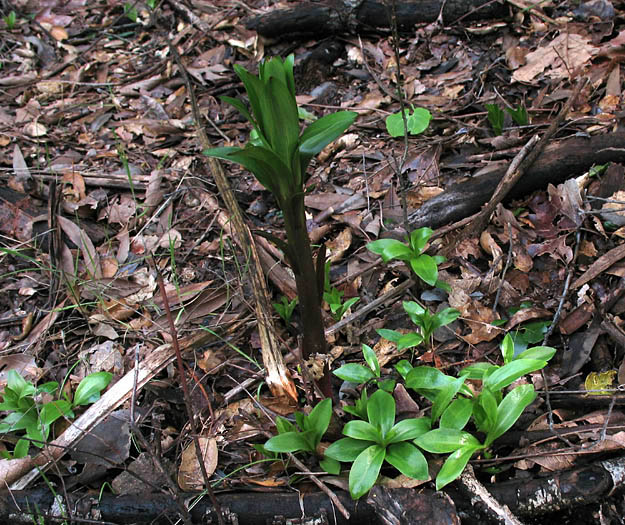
(111, 142)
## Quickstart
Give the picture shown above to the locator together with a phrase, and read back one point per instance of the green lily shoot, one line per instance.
(278, 156)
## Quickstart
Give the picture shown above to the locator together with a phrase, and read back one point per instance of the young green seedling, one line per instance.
(360, 374)
(369, 443)
(278, 158)
(417, 122)
(306, 434)
(428, 323)
(285, 308)
(422, 264)
(27, 413)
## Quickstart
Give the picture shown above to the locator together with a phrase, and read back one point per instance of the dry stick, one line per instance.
(518, 167)
(497, 511)
(187, 395)
(552, 326)
(371, 306)
(278, 378)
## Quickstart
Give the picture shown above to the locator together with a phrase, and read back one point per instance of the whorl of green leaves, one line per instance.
(280, 156)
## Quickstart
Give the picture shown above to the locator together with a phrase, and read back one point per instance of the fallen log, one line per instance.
(345, 16)
(251, 508)
(558, 162)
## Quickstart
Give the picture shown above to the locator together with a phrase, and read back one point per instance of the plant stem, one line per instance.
(300, 254)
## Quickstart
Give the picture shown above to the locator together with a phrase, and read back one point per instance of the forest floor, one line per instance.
(110, 217)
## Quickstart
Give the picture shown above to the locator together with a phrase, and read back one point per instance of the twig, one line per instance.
(501, 513)
(367, 308)
(187, 395)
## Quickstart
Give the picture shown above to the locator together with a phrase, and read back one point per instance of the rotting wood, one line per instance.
(558, 162)
(251, 508)
(343, 16)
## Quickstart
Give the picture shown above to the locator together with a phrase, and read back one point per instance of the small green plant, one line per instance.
(278, 158)
(360, 374)
(306, 434)
(496, 117)
(454, 404)
(417, 122)
(29, 413)
(131, 12)
(151, 4)
(10, 20)
(285, 308)
(519, 115)
(428, 323)
(334, 298)
(369, 443)
(423, 265)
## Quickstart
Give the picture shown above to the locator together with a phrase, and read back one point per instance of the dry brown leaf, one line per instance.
(339, 245)
(190, 473)
(575, 50)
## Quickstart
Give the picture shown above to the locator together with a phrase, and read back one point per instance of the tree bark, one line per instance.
(345, 16)
(560, 161)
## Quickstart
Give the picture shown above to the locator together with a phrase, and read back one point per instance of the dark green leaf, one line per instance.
(413, 309)
(425, 267)
(390, 249)
(419, 238)
(89, 389)
(457, 414)
(510, 409)
(509, 373)
(324, 131)
(403, 367)
(453, 466)
(391, 335)
(240, 106)
(476, 370)
(444, 397)
(409, 340)
(381, 411)
(408, 460)
(265, 166)
(284, 425)
(362, 430)
(444, 440)
(495, 117)
(347, 449)
(365, 470)
(21, 449)
(487, 401)
(541, 353)
(53, 410)
(445, 316)
(427, 378)
(18, 384)
(331, 466)
(507, 348)
(289, 442)
(371, 359)
(319, 418)
(408, 429)
(354, 373)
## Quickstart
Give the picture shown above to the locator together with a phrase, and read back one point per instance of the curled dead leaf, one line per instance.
(190, 473)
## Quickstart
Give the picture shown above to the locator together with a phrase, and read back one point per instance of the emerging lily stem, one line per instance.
(300, 253)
